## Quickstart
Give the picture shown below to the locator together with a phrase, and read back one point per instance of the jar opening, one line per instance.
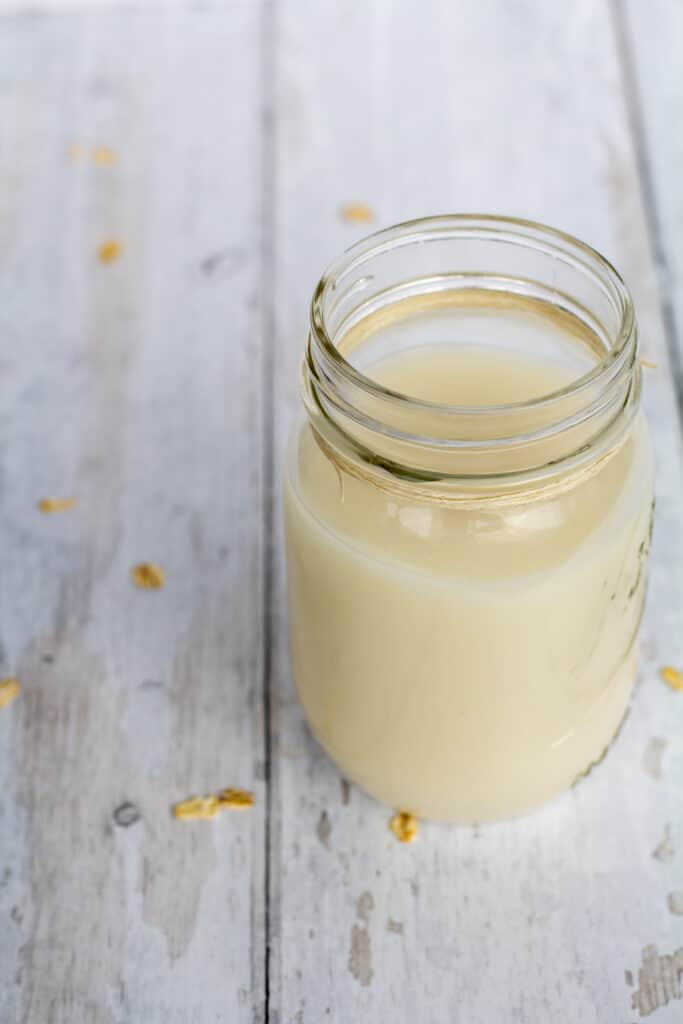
(471, 347)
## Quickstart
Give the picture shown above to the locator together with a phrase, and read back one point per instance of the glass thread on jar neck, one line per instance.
(446, 262)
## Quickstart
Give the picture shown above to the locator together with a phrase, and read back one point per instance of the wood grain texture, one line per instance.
(134, 386)
(514, 108)
(652, 55)
(137, 387)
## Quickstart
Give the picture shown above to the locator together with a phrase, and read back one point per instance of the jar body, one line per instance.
(465, 663)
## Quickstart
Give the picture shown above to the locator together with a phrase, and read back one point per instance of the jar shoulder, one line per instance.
(490, 543)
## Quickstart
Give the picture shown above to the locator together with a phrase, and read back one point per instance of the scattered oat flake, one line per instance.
(673, 677)
(235, 799)
(9, 691)
(202, 807)
(198, 808)
(357, 213)
(110, 251)
(50, 505)
(148, 576)
(74, 151)
(404, 826)
(103, 156)
(648, 364)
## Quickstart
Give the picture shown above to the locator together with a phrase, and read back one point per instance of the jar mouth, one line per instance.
(412, 231)
(564, 273)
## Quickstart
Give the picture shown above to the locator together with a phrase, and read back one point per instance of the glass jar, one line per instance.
(468, 504)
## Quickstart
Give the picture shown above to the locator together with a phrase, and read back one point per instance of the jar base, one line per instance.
(500, 802)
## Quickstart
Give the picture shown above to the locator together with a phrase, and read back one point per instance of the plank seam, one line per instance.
(266, 299)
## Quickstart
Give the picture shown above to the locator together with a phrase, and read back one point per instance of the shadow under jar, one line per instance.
(468, 504)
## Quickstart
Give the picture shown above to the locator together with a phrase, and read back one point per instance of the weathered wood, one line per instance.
(506, 108)
(135, 386)
(652, 49)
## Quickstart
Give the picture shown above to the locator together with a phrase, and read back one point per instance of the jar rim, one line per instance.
(361, 419)
(476, 225)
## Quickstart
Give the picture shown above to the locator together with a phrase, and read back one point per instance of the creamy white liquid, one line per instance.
(465, 664)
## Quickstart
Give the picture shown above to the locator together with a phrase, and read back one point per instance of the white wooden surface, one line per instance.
(653, 56)
(159, 390)
(136, 387)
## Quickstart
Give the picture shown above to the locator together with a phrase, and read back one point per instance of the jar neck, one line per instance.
(450, 267)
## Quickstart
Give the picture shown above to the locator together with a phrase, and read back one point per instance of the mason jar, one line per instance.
(468, 502)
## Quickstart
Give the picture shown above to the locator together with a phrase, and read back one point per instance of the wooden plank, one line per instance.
(652, 48)
(135, 386)
(507, 108)
(33, 7)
